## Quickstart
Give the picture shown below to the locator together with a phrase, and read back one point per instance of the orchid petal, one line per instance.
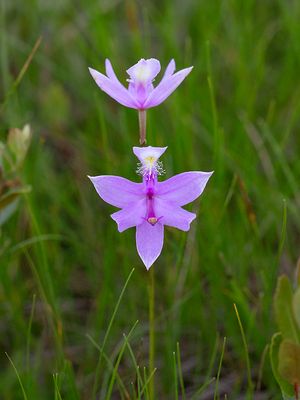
(183, 188)
(170, 69)
(143, 152)
(149, 242)
(113, 88)
(117, 191)
(166, 87)
(110, 71)
(144, 70)
(172, 215)
(130, 216)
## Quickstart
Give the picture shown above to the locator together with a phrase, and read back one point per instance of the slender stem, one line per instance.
(151, 294)
(250, 383)
(142, 125)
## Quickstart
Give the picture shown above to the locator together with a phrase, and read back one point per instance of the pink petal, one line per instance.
(173, 215)
(144, 70)
(170, 69)
(149, 242)
(149, 151)
(183, 188)
(166, 87)
(130, 216)
(113, 87)
(117, 191)
(110, 71)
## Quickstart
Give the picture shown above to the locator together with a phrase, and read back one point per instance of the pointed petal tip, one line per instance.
(149, 242)
(187, 70)
(148, 266)
(93, 178)
(94, 73)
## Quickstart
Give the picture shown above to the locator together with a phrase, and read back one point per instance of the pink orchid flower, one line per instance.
(141, 94)
(150, 205)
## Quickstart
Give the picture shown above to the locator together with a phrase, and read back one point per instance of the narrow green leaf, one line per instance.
(18, 376)
(249, 378)
(180, 371)
(216, 394)
(97, 372)
(284, 314)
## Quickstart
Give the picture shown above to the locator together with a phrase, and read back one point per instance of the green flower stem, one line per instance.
(142, 126)
(151, 294)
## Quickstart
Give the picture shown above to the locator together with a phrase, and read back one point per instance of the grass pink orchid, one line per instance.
(140, 94)
(152, 204)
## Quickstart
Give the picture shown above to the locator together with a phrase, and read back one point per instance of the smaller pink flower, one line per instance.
(151, 205)
(141, 94)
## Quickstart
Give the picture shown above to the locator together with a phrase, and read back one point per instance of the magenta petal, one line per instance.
(113, 88)
(166, 87)
(130, 216)
(183, 188)
(117, 191)
(173, 215)
(149, 242)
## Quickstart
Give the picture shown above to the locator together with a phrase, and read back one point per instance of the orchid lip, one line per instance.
(153, 220)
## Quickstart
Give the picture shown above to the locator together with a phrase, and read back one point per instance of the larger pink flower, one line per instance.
(141, 93)
(150, 205)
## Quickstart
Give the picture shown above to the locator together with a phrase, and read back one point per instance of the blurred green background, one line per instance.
(62, 262)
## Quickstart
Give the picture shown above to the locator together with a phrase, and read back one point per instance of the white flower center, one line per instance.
(150, 161)
(142, 73)
(149, 165)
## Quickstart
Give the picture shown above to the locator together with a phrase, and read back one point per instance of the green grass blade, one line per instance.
(18, 376)
(21, 73)
(95, 386)
(175, 379)
(112, 381)
(56, 387)
(123, 390)
(249, 377)
(216, 394)
(202, 388)
(147, 381)
(180, 372)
